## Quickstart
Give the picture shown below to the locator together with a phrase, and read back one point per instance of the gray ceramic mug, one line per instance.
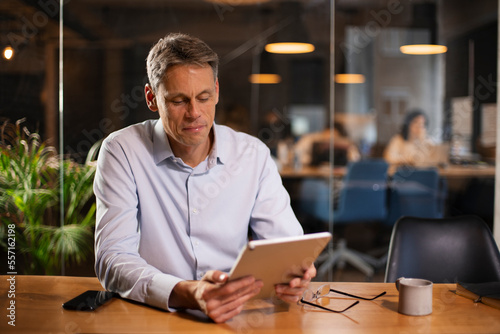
(415, 296)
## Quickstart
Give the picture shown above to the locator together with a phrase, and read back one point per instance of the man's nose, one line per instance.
(194, 110)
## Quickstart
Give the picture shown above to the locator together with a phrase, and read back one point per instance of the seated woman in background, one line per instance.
(411, 146)
(313, 149)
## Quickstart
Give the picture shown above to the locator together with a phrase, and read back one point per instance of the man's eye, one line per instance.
(203, 98)
(178, 102)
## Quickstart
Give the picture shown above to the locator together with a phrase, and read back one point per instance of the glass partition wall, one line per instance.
(340, 101)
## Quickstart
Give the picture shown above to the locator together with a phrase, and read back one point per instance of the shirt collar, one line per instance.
(161, 146)
(162, 149)
(218, 153)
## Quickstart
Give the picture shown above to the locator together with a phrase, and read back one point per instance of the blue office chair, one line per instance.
(362, 199)
(364, 194)
(416, 192)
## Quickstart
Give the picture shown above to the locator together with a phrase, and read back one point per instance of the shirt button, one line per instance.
(194, 211)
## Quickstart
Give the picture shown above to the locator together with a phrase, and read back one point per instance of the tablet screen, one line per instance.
(278, 260)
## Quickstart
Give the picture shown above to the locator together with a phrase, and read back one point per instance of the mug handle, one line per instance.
(397, 282)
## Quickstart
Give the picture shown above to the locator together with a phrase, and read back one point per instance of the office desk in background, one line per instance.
(38, 310)
(450, 172)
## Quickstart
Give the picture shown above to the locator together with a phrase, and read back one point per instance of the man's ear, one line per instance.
(150, 98)
(216, 91)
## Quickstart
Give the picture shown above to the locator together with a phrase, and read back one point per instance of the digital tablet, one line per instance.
(278, 260)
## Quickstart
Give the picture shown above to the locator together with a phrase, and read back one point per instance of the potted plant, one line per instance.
(51, 210)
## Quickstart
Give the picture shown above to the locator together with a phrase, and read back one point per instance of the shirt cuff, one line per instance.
(159, 290)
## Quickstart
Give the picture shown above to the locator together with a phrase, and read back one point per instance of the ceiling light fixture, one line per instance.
(8, 52)
(264, 78)
(424, 21)
(349, 78)
(289, 47)
(349, 71)
(264, 69)
(293, 38)
(423, 49)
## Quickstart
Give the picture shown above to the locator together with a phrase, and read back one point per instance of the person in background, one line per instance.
(275, 130)
(177, 196)
(314, 148)
(411, 146)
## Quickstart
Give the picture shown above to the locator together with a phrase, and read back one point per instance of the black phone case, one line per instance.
(89, 300)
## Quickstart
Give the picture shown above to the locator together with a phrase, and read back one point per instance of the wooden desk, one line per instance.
(38, 302)
(460, 172)
(314, 172)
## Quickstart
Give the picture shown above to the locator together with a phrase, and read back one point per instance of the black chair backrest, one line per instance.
(443, 250)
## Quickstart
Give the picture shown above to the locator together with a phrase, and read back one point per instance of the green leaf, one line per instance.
(31, 198)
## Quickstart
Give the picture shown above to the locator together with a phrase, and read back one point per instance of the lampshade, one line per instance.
(264, 78)
(293, 38)
(349, 78)
(265, 71)
(349, 70)
(423, 49)
(422, 37)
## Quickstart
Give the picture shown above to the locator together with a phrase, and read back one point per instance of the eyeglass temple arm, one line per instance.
(358, 297)
(327, 309)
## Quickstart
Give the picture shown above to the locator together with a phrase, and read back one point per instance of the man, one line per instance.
(176, 197)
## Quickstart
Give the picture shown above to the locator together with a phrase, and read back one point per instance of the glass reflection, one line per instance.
(106, 42)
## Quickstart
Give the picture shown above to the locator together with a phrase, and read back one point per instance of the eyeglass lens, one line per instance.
(322, 291)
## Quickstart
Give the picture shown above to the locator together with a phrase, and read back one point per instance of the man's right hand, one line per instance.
(214, 295)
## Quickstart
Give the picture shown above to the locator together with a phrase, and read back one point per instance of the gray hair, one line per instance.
(178, 49)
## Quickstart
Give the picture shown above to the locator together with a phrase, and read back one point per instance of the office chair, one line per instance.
(443, 250)
(362, 199)
(416, 192)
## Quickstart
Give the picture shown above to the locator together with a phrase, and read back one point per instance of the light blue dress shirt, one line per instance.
(160, 221)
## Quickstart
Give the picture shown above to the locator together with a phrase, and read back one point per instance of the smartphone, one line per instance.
(89, 300)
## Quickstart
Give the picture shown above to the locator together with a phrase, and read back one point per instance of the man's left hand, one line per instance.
(292, 292)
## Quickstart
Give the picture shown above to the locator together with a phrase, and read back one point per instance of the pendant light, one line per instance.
(264, 69)
(349, 78)
(348, 71)
(8, 52)
(424, 22)
(293, 38)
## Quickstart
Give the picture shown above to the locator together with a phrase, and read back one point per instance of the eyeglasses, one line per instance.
(309, 296)
(357, 297)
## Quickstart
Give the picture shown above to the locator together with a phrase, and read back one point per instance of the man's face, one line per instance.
(186, 100)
